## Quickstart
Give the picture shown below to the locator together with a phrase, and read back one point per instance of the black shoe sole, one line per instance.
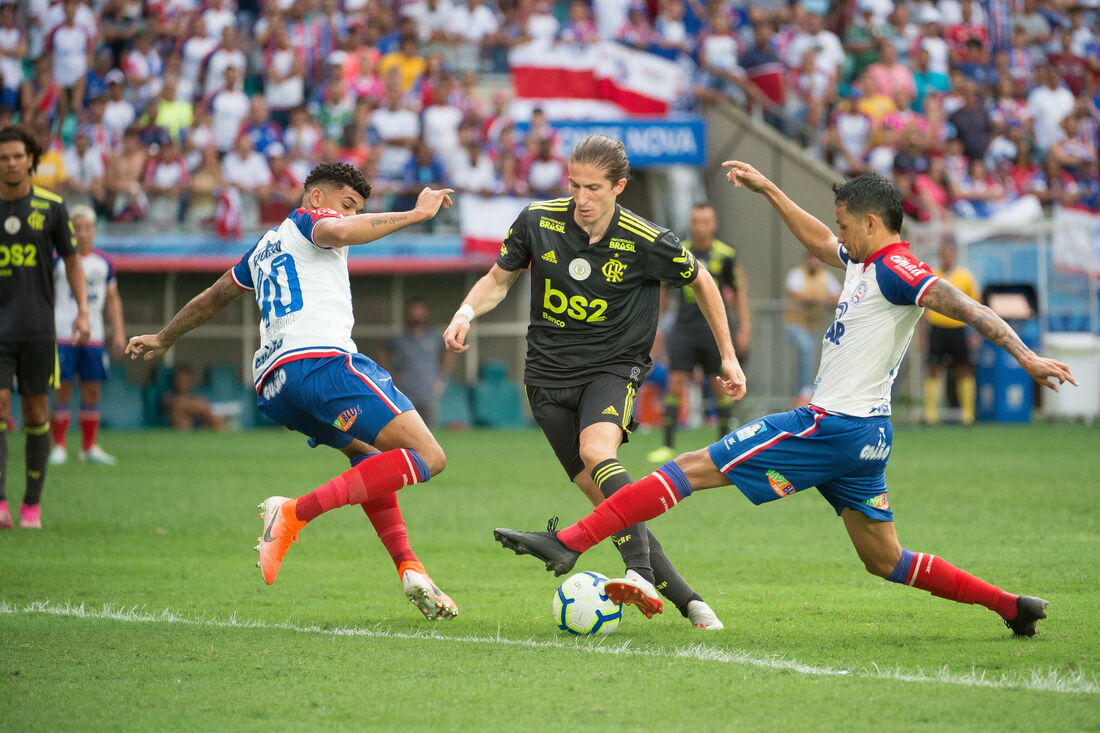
(520, 548)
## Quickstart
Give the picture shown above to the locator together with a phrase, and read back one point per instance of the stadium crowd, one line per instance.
(210, 112)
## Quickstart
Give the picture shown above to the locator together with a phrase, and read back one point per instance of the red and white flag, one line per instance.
(484, 221)
(596, 81)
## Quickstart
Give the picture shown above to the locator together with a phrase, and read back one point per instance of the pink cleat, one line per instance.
(5, 515)
(30, 516)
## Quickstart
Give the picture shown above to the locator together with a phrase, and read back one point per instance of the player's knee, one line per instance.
(434, 458)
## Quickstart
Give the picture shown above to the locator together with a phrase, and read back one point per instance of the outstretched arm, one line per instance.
(808, 229)
(945, 298)
(707, 295)
(485, 295)
(364, 228)
(201, 309)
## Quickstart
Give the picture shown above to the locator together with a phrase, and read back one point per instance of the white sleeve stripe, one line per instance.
(924, 288)
(236, 281)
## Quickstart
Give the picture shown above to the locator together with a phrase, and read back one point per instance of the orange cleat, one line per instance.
(281, 527)
(636, 591)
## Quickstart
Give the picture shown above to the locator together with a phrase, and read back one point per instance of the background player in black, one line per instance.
(596, 271)
(688, 341)
(33, 226)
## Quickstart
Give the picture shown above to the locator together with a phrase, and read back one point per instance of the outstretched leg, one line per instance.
(877, 545)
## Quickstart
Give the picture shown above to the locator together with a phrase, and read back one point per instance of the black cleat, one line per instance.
(545, 546)
(1029, 609)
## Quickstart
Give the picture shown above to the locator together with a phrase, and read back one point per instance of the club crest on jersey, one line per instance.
(35, 220)
(12, 224)
(860, 292)
(580, 269)
(613, 271)
(779, 483)
(748, 431)
(347, 418)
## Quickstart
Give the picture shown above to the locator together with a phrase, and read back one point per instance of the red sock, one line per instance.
(377, 476)
(385, 515)
(941, 578)
(59, 426)
(89, 426)
(644, 499)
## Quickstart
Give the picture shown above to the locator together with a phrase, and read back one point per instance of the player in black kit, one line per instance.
(596, 272)
(34, 225)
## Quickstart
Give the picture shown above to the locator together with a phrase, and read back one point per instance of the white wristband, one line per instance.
(466, 310)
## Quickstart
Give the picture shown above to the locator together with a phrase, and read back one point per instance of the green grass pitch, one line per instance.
(139, 606)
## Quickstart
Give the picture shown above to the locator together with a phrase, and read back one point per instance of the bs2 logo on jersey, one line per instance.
(577, 307)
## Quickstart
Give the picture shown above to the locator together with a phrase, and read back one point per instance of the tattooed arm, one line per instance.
(201, 309)
(363, 228)
(945, 298)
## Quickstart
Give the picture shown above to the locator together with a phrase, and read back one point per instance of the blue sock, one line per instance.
(679, 479)
(901, 570)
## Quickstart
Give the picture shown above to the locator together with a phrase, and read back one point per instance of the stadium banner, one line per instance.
(595, 81)
(649, 143)
(484, 222)
(1076, 241)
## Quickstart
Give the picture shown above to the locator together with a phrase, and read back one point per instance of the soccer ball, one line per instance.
(581, 607)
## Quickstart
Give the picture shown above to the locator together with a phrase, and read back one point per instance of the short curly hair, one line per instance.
(338, 174)
(19, 133)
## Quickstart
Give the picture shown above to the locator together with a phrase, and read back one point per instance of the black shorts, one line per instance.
(33, 363)
(688, 348)
(563, 412)
(948, 346)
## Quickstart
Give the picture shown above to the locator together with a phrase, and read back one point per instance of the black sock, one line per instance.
(3, 459)
(633, 542)
(38, 454)
(671, 418)
(669, 581)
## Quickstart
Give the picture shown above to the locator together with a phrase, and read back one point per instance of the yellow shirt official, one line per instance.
(962, 279)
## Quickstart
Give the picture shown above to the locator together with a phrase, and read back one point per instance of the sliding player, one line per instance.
(310, 377)
(841, 442)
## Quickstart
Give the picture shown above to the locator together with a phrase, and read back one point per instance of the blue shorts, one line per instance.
(778, 455)
(87, 362)
(332, 400)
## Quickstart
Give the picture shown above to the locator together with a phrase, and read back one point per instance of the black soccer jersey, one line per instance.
(32, 230)
(721, 261)
(593, 306)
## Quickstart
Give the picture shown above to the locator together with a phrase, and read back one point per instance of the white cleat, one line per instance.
(95, 454)
(702, 616)
(637, 591)
(426, 596)
(58, 455)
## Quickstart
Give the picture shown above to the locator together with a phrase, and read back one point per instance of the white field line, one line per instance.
(1050, 680)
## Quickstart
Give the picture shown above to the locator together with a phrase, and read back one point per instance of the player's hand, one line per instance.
(455, 335)
(82, 329)
(742, 174)
(430, 199)
(732, 379)
(150, 345)
(1042, 369)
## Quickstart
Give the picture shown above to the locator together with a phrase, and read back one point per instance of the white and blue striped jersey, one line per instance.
(875, 317)
(98, 274)
(303, 291)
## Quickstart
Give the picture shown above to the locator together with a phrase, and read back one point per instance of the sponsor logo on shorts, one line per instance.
(880, 451)
(878, 502)
(347, 418)
(748, 431)
(274, 384)
(779, 483)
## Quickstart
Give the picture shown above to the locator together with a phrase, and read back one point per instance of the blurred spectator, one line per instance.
(544, 171)
(118, 113)
(259, 126)
(247, 170)
(95, 81)
(1074, 150)
(40, 94)
(186, 410)
(719, 48)
(228, 54)
(829, 56)
(475, 173)
(285, 190)
(423, 169)
(143, 67)
(195, 52)
(85, 170)
(217, 17)
(70, 45)
(973, 125)
(812, 293)
(125, 194)
(541, 24)
(302, 141)
(50, 172)
(167, 112)
(580, 27)
(202, 194)
(406, 61)
(926, 81)
(166, 179)
(229, 107)
(119, 23)
(419, 362)
(13, 49)
(1047, 105)
(762, 65)
(672, 37)
(472, 27)
(510, 181)
(861, 39)
(1069, 64)
(887, 75)
(979, 195)
(396, 128)
(932, 191)
(811, 90)
(432, 19)
(284, 84)
(637, 32)
(849, 135)
(931, 40)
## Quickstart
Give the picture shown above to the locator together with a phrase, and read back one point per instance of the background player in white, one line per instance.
(88, 361)
(310, 378)
(841, 442)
